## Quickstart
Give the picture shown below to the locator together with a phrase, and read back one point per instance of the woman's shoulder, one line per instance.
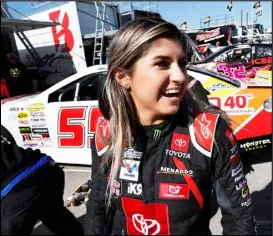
(211, 118)
(213, 121)
(205, 128)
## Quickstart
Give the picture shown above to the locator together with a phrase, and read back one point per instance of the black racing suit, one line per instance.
(166, 185)
(13, 158)
(37, 196)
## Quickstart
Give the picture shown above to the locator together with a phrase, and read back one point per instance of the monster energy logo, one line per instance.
(157, 134)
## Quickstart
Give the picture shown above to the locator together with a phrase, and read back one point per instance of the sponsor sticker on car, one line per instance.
(234, 104)
(36, 107)
(22, 115)
(25, 130)
(14, 109)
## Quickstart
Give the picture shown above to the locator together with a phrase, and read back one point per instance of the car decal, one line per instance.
(242, 106)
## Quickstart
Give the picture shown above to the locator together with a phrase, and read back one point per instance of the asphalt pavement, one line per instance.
(258, 172)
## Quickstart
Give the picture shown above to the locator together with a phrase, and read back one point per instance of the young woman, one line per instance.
(161, 151)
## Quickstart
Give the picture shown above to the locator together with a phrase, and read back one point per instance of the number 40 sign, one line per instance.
(239, 101)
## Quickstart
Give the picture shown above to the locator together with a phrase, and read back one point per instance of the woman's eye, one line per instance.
(162, 64)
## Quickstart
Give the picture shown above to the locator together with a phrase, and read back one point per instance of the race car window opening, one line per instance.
(241, 55)
(212, 56)
(262, 51)
(89, 88)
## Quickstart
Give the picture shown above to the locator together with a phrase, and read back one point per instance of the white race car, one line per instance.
(60, 121)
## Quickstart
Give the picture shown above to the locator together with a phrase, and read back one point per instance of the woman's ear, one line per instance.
(122, 78)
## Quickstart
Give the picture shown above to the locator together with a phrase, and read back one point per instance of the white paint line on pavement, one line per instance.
(76, 170)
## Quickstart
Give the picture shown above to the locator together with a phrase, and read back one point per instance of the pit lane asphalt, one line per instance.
(259, 177)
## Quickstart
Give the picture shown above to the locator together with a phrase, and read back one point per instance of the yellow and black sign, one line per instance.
(15, 72)
(245, 192)
(35, 107)
(22, 115)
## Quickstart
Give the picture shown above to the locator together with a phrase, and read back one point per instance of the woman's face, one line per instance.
(159, 80)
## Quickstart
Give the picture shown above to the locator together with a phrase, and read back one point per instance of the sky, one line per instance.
(190, 11)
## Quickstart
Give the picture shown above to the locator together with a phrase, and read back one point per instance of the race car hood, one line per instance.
(240, 83)
(250, 82)
(205, 71)
(20, 98)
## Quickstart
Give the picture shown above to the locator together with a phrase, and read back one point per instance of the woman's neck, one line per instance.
(148, 119)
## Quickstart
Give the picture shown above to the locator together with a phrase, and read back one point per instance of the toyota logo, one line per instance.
(180, 142)
(144, 225)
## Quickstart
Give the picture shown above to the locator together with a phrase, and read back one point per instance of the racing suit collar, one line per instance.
(167, 126)
(156, 131)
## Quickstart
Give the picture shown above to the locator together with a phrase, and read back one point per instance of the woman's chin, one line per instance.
(170, 110)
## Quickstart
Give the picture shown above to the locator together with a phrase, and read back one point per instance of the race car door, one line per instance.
(73, 113)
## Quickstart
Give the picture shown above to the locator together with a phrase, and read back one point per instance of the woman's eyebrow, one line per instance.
(168, 58)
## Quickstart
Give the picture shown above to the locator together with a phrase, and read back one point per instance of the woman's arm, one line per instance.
(230, 184)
